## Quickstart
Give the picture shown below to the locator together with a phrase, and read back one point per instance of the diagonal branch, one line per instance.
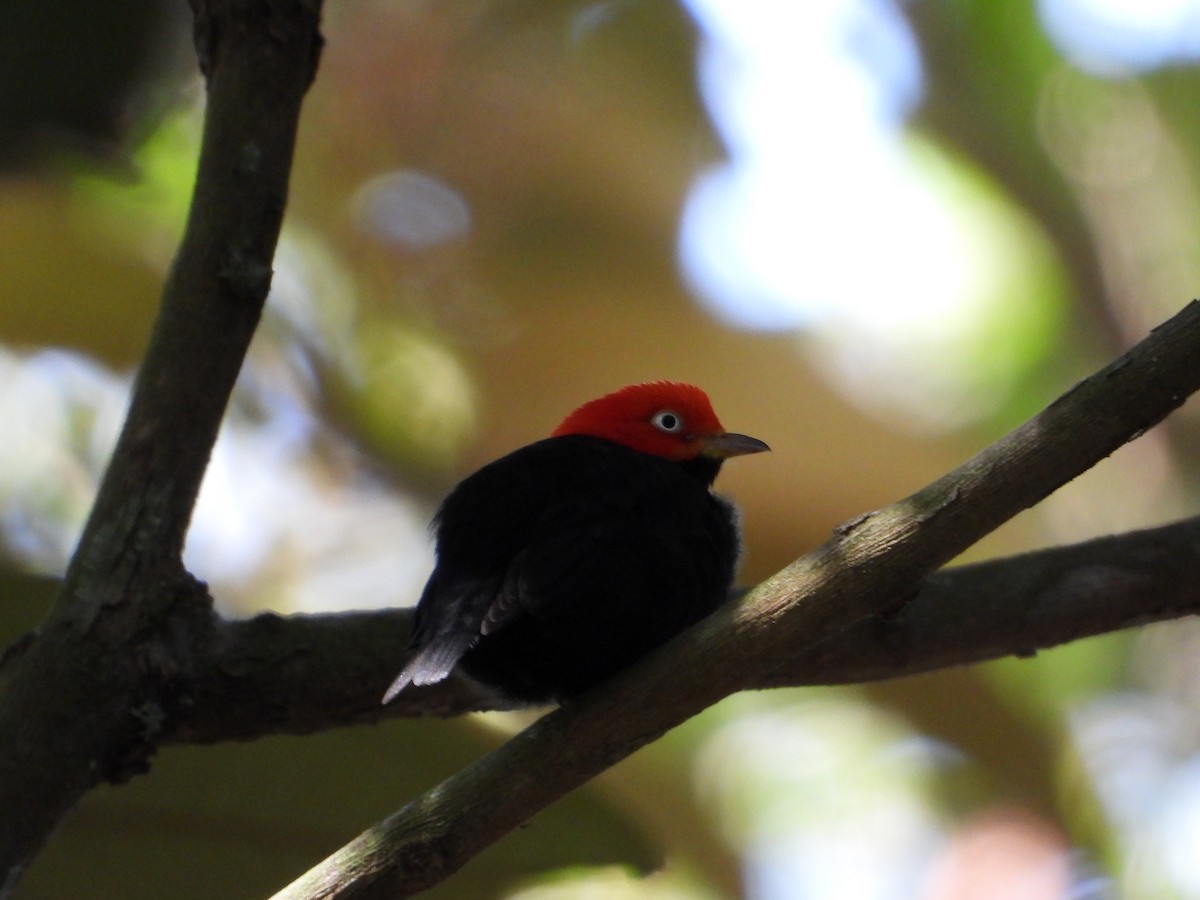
(867, 568)
(1014, 606)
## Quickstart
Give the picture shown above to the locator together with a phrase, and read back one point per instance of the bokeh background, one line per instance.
(878, 233)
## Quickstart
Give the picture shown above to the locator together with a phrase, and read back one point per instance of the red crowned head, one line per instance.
(664, 418)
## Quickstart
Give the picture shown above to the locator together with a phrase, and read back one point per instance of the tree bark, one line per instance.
(85, 698)
(299, 674)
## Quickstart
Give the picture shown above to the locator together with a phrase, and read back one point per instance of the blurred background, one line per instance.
(879, 234)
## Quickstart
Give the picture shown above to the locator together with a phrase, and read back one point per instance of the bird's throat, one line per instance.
(703, 468)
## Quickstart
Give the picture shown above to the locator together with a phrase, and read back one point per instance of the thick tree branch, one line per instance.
(300, 674)
(868, 568)
(84, 699)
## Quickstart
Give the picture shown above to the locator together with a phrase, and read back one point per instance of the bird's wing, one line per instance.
(505, 608)
(518, 524)
(579, 554)
(575, 515)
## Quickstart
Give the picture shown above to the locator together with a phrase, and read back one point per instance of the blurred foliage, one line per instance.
(482, 232)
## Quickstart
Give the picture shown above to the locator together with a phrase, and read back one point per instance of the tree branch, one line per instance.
(869, 567)
(300, 674)
(1014, 606)
(118, 652)
(84, 699)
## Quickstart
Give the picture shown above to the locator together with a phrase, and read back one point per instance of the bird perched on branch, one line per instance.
(569, 559)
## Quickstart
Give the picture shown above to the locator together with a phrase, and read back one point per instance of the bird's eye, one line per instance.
(668, 421)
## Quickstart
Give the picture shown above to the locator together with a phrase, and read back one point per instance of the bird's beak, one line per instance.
(723, 446)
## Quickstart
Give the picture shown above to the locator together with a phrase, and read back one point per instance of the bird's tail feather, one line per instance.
(431, 664)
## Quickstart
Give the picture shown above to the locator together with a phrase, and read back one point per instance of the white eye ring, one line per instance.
(667, 420)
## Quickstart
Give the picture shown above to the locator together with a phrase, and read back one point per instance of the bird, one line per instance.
(570, 558)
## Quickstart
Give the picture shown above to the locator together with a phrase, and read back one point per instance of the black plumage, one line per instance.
(569, 559)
